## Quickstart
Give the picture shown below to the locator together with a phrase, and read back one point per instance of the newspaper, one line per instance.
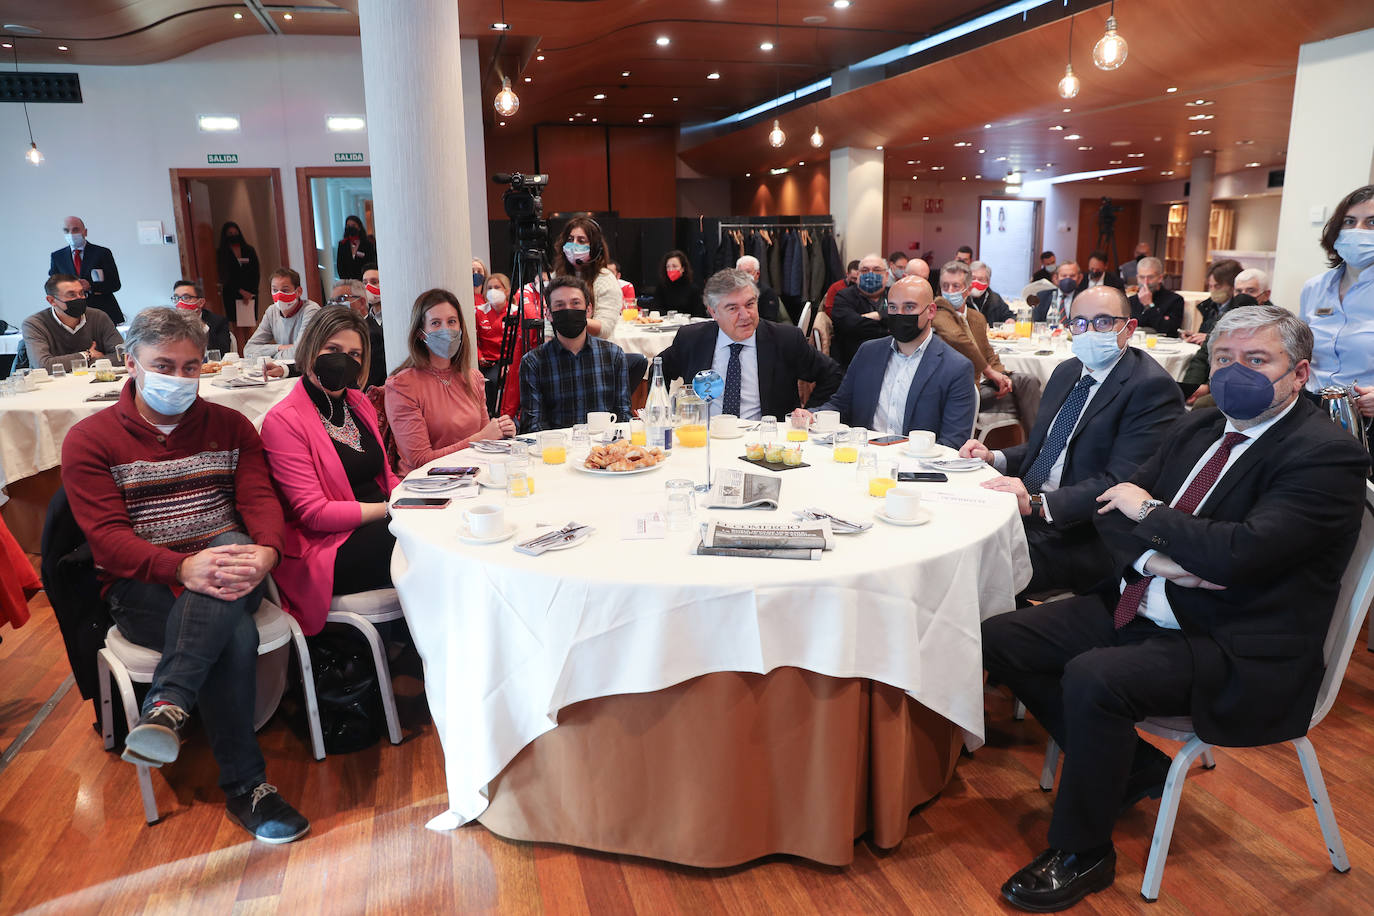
(809, 535)
(734, 489)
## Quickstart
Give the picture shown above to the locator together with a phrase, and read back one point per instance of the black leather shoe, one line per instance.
(1057, 879)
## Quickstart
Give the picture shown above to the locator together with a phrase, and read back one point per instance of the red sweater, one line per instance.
(146, 501)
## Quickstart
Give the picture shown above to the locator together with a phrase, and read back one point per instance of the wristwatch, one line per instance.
(1146, 508)
(1037, 504)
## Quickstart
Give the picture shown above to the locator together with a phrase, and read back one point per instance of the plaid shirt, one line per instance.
(559, 389)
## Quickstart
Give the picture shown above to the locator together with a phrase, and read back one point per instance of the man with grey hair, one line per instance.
(1255, 283)
(1153, 306)
(768, 297)
(1230, 541)
(984, 298)
(67, 329)
(761, 361)
(351, 294)
(184, 526)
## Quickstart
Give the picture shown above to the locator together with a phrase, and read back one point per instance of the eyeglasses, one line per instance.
(1098, 322)
(184, 297)
(344, 300)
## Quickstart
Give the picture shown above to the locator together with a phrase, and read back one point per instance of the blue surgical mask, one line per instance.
(1356, 247)
(954, 299)
(478, 279)
(75, 239)
(1095, 349)
(443, 343)
(1067, 285)
(1242, 393)
(577, 254)
(870, 283)
(169, 395)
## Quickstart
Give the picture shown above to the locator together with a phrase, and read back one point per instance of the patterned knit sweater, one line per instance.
(147, 500)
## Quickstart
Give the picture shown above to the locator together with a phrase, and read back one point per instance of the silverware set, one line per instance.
(537, 545)
(840, 525)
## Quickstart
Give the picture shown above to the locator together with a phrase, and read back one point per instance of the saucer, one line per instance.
(931, 452)
(727, 435)
(467, 537)
(922, 516)
(483, 479)
(436, 484)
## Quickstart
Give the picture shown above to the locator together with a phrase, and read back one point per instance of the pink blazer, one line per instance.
(320, 509)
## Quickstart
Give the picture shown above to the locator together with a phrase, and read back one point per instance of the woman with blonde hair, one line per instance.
(435, 401)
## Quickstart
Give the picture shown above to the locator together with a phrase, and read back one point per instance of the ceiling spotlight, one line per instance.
(529, 79)
(1198, 133)
(287, 16)
(582, 114)
(662, 41)
(1066, 110)
(1000, 159)
(1135, 155)
(817, 140)
(539, 57)
(236, 16)
(500, 26)
(1170, 172)
(766, 46)
(61, 47)
(1084, 148)
(878, 148)
(648, 115)
(801, 162)
(1072, 137)
(1114, 162)
(1201, 117)
(1057, 127)
(593, 120)
(781, 171)
(937, 168)
(962, 143)
(981, 151)
(986, 126)
(506, 102)
(1252, 165)
(841, 4)
(925, 138)
(6, 46)
(674, 98)
(1110, 50)
(713, 75)
(599, 96)
(776, 138)
(1197, 103)
(1172, 89)
(502, 123)
(911, 162)
(1245, 143)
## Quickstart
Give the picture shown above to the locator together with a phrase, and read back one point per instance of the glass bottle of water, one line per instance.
(658, 414)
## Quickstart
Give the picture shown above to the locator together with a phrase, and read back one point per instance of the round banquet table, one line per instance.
(649, 340)
(629, 696)
(1025, 358)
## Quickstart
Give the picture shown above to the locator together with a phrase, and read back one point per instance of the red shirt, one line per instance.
(830, 294)
(488, 333)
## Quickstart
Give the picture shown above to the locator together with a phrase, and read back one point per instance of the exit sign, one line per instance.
(348, 157)
(222, 158)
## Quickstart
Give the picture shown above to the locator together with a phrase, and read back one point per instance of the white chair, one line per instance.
(127, 663)
(804, 325)
(363, 612)
(989, 420)
(1357, 589)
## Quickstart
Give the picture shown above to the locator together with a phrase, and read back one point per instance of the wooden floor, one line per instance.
(73, 839)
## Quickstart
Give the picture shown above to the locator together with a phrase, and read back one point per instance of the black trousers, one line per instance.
(1088, 684)
(1073, 558)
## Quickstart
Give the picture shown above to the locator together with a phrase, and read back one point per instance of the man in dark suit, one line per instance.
(92, 264)
(768, 297)
(1153, 306)
(984, 298)
(1068, 282)
(911, 380)
(1047, 267)
(1098, 274)
(372, 287)
(190, 296)
(1103, 413)
(1230, 541)
(858, 309)
(761, 362)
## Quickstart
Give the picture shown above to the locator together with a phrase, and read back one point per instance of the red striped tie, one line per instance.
(1132, 595)
(76, 262)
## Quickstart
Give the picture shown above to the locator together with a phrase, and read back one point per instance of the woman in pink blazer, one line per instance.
(328, 463)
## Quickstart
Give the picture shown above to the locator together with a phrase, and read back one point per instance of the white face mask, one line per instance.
(75, 239)
(496, 296)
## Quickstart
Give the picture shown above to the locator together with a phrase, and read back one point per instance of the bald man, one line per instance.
(858, 310)
(916, 267)
(910, 379)
(93, 265)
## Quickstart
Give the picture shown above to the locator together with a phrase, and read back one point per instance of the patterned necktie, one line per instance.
(76, 262)
(733, 373)
(1131, 596)
(1058, 438)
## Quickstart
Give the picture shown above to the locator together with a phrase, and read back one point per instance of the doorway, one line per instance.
(1126, 230)
(207, 199)
(328, 196)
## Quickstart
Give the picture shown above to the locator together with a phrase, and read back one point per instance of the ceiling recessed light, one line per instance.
(1252, 165)
(598, 97)
(674, 98)
(503, 124)
(981, 151)
(977, 176)
(1085, 148)
(766, 46)
(1198, 103)
(713, 75)
(925, 138)
(343, 123)
(747, 174)
(841, 4)
(911, 162)
(1000, 159)
(781, 171)
(1198, 133)
(962, 143)
(640, 121)
(624, 73)
(937, 168)
(1172, 89)
(61, 47)
(1056, 127)
(914, 178)
(963, 178)
(811, 20)
(1066, 110)
(1245, 143)
(986, 126)
(6, 46)
(500, 26)
(580, 114)
(218, 123)
(593, 120)
(236, 16)
(1114, 162)
(1072, 137)
(287, 16)
(648, 114)
(876, 147)
(1121, 143)
(800, 162)
(569, 119)
(1135, 155)
(1157, 139)
(1201, 117)
(539, 57)
(662, 41)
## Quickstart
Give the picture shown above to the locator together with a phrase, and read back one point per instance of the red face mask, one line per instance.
(374, 290)
(189, 306)
(979, 288)
(674, 273)
(286, 299)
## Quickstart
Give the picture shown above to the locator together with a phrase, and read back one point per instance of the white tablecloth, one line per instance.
(508, 640)
(636, 338)
(1025, 359)
(34, 423)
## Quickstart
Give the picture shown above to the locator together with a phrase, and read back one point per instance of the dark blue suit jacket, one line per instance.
(1122, 425)
(941, 398)
(93, 257)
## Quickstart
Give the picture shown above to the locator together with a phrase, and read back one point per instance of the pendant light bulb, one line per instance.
(816, 139)
(776, 138)
(1069, 85)
(507, 102)
(34, 155)
(1110, 50)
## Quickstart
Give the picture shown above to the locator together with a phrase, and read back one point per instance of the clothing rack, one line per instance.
(827, 223)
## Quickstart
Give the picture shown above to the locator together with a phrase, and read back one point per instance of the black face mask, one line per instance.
(75, 307)
(337, 371)
(1241, 300)
(569, 323)
(235, 240)
(352, 232)
(904, 328)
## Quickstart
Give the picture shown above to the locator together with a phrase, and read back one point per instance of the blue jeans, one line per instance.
(209, 658)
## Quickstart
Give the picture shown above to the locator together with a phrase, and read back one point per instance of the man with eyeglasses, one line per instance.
(1104, 412)
(858, 309)
(350, 294)
(68, 329)
(910, 380)
(189, 296)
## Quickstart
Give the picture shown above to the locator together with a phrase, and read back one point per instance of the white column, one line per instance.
(1201, 176)
(1330, 153)
(478, 176)
(413, 85)
(856, 200)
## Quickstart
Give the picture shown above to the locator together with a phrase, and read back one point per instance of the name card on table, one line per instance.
(222, 158)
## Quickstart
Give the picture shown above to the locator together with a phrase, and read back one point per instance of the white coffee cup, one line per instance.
(902, 503)
(485, 521)
(826, 419)
(599, 421)
(920, 441)
(655, 316)
(229, 370)
(496, 470)
(726, 424)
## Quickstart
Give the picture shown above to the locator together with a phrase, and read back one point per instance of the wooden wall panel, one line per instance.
(507, 150)
(804, 191)
(643, 172)
(575, 159)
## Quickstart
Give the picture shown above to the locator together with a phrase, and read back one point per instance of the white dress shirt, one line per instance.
(750, 403)
(889, 415)
(1155, 605)
(70, 330)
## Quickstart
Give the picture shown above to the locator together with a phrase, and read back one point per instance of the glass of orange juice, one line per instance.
(692, 435)
(796, 428)
(844, 451)
(629, 314)
(553, 447)
(637, 435)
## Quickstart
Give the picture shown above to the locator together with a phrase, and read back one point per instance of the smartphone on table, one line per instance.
(887, 440)
(922, 477)
(421, 502)
(453, 472)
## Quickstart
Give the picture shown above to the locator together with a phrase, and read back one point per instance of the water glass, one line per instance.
(7, 387)
(768, 429)
(518, 477)
(57, 370)
(581, 439)
(682, 504)
(79, 366)
(213, 356)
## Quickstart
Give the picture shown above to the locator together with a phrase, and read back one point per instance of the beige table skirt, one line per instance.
(728, 767)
